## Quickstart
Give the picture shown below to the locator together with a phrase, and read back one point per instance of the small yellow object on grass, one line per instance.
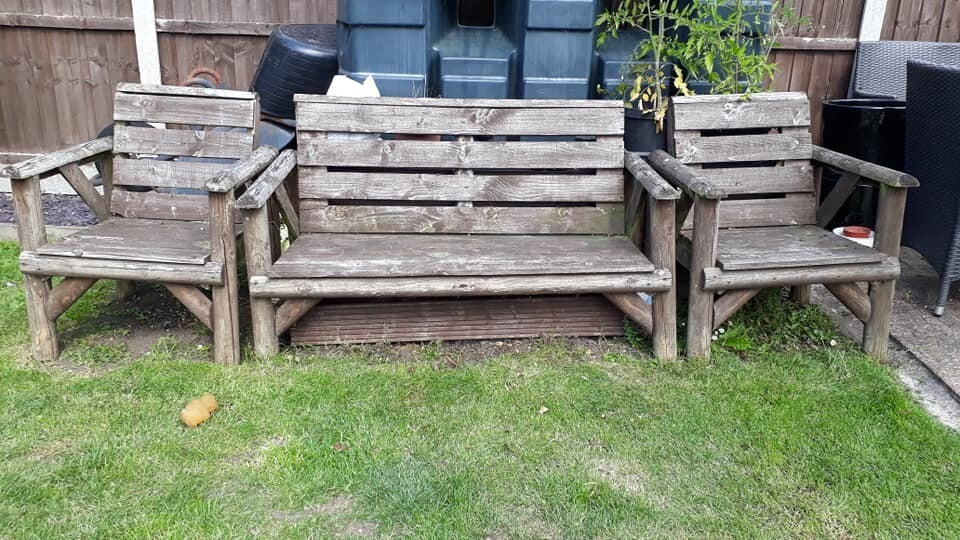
(198, 410)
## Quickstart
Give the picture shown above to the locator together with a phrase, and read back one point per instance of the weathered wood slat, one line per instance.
(601, 154)
(242, 171)
(259, 193)
(788, 247)
(182, 142)
(385, 255)
(711, 112)
(716, 279)
(206, 274)
(864, 169)
(463, 103)
(180, 242)
(440, 120)
(316, 217)
(188, 110)
(727, 305)
(694, 148)
(84, 187)
(687, 179)
(48, 162)
(458, 319)
(225, 308)
(852, 296)
(163, 90)
(634, 307)
(794, 178)
(153, 205)
(155, 173)
(656, 281)
(648, 178)
(605, 186)
(797, 209)
(194, 300)
(65, 294)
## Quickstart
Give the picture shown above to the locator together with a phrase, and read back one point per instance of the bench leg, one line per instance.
(223, 249)
(125, 290)
(700, 319)
(258, 241)
(876, 332)
(43, 327)
(665, 325)
(801, 294)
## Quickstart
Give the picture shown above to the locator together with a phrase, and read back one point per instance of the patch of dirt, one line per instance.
(340, 509)
(255, 457)
(58, 210)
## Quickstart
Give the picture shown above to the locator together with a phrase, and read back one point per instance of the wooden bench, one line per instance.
(169, 221)
(456, 198)
(746, 167)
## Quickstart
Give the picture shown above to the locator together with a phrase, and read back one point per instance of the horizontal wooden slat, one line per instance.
(788, 247)
(182, 142)
(795, 209)
(183, 110)
(693, 148)
(464, 103)
(316, 217)
(386, 255)
(605, 186)
(153, 205)
(458, 319)
(440, 120)
(792, 178)
(181, 242)
(698, 113)
(715, 279)
(156, 173)
(209, 273)
(601, 154)
(166, 90)
(264, 287)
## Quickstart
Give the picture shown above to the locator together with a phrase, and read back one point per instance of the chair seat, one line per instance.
(391, 255)
(765, 248)
(137, 240)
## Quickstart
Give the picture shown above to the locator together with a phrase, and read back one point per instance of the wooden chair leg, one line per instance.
(876, 332)
(258, 241)
(125, 290)
(661, 237)
(665, 325)
(700, 318)
(43, 326)
(801, 294)
(223, 249)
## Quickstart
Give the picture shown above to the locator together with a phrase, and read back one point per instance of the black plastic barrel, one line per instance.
(299, 59)
(869, 129)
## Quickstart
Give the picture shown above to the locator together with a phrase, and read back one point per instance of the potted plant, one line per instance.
(651, 77)
(728, 43)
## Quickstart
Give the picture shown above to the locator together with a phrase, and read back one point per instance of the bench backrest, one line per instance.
(200, 123)
(406, 165)
(758, 150)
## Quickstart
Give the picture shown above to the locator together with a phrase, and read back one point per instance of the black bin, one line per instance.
(869, 129)
(299, 59)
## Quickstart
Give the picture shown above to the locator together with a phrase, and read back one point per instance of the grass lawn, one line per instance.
(780, 435)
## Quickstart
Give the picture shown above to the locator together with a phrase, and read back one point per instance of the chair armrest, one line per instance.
(260, 192)
(241, 171)
(864, 169)
(54, 160)
(649, 180)
(684, 177)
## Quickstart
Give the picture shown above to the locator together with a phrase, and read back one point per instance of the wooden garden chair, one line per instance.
(154, 223)
(746, 167)
(443, 197)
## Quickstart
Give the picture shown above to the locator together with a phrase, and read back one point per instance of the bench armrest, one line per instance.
(241, 171)
(652, 183)
(684, 177)
(54, 160)
(864, 169)
(260, 192)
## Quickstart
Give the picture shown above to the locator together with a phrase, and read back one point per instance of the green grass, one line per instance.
(781, 435)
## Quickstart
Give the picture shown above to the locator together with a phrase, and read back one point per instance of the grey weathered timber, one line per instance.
(258, 250)
(684, 177)
(182, 142)
(648, 178)
(322, 218)
(635, 307)
(206, 274)
(260, 191)
(243, 171)
(49, 162)
(656, 281)
(84, 188)
(291, 310)
(726, 111)
(662, 248)
(801, 294)
(601, 154)
(604, 186)
(715, 279)
(149, 234)
(288, 210)
(864, 169)
(466, 103)
(769, 234)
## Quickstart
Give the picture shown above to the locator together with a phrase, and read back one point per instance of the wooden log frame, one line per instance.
(45, 303)
(278, 302)
(700, 255)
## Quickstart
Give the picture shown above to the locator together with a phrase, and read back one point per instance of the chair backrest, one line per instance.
(757, 150)
(880, 67)
(205, 129)
(407, 165)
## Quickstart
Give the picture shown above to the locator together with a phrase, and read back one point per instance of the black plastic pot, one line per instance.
(640, 133)
(299, 58)
(869, 129)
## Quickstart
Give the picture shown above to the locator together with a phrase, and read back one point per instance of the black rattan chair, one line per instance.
(880, 68)
(932, 224)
